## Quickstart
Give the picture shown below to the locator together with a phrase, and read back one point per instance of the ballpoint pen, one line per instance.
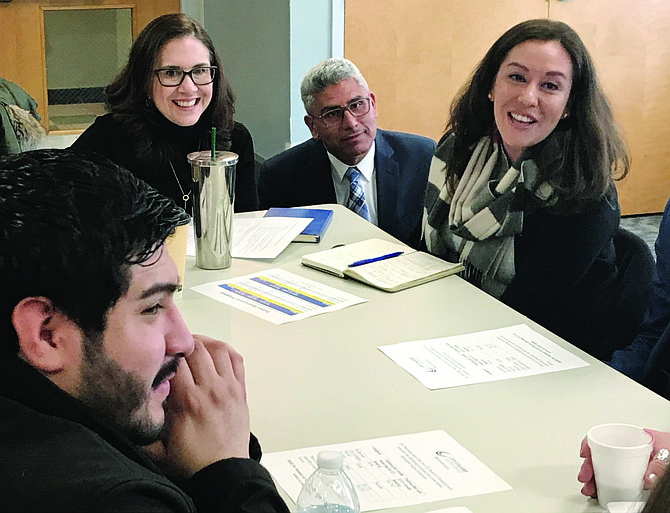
(375, 259)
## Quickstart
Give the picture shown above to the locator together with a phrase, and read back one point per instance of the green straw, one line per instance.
(213, 143)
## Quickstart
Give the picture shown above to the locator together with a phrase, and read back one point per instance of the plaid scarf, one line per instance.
(477, 222)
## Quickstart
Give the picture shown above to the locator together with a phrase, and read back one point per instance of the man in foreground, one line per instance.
(378, 174)
(107, 402)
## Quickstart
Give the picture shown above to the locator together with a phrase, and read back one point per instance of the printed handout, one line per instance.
(278, 296)
(394, 471)
(254, 237)
(480, 357)
(264, 237)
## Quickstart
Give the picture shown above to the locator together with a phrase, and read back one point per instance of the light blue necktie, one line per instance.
(356, 200)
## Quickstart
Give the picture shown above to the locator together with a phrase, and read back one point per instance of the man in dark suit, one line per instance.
(381, 175)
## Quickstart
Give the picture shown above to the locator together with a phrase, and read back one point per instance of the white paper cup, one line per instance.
(620, 454)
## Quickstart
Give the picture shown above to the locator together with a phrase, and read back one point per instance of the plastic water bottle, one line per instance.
(328, 489)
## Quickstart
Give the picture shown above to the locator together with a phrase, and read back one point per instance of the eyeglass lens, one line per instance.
(174, 77)
(358, 107)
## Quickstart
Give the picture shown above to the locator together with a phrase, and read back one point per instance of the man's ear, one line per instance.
(309, 121)
(373, 101)
(48, 340)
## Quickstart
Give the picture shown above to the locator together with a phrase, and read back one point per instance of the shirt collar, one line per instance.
(365, 166)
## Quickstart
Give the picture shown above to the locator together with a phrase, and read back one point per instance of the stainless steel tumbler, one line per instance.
(213, 190)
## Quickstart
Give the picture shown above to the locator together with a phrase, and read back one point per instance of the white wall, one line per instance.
(252, 37)
(266, 47)
(57, 141)
(317, 32)
(194, 8)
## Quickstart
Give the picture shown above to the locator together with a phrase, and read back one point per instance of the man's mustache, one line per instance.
(165, 371)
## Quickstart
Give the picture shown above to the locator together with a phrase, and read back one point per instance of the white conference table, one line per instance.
(322, 380)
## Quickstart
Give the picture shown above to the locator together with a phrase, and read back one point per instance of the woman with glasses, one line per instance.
(163, 105)
(521, 186)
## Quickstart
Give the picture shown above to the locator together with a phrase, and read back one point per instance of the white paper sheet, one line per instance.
(278, 296)
(265, 237)
(258, 237)
(394, 471)
(493, 355)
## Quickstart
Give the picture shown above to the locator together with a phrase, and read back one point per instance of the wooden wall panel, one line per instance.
(416, 54)
(628, 40)
(21, 60)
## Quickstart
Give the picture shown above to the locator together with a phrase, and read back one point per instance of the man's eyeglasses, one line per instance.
(172, 77)
(333, 117)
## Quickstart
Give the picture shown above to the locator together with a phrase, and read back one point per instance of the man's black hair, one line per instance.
(71, 225)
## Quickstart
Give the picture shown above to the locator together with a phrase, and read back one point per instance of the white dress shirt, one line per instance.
(367, 181)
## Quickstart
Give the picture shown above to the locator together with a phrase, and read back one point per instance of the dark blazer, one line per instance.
(301, 176)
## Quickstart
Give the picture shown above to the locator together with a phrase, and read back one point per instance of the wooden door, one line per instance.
(22, 59)
(628, 40)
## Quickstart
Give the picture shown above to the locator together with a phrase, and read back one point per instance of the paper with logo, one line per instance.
(504, 353)
(395, 471)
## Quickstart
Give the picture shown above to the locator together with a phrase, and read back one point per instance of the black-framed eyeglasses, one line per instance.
(173, 77)
(333, 117)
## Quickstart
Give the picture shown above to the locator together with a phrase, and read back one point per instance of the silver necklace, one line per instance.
(184, 196)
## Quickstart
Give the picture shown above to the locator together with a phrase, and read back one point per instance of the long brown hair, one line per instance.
(128, 96)
(583, 153)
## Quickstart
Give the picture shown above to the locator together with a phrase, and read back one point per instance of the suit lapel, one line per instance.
(319, 180)
(387, 183)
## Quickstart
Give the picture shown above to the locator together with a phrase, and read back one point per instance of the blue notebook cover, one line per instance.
(314, 230)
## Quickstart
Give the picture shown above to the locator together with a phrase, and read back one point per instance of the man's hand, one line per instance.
(655, 468)
(207, 414)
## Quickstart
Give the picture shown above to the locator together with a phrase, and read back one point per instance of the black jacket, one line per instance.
(110, 138)
(55, 455)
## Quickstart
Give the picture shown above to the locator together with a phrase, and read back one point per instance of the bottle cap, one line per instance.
(330, 460)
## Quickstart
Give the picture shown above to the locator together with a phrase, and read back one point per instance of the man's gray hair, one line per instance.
(325, 73)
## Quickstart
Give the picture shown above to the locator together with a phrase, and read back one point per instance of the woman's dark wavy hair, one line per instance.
(659, 499)
(128, 97)
(583, 153)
